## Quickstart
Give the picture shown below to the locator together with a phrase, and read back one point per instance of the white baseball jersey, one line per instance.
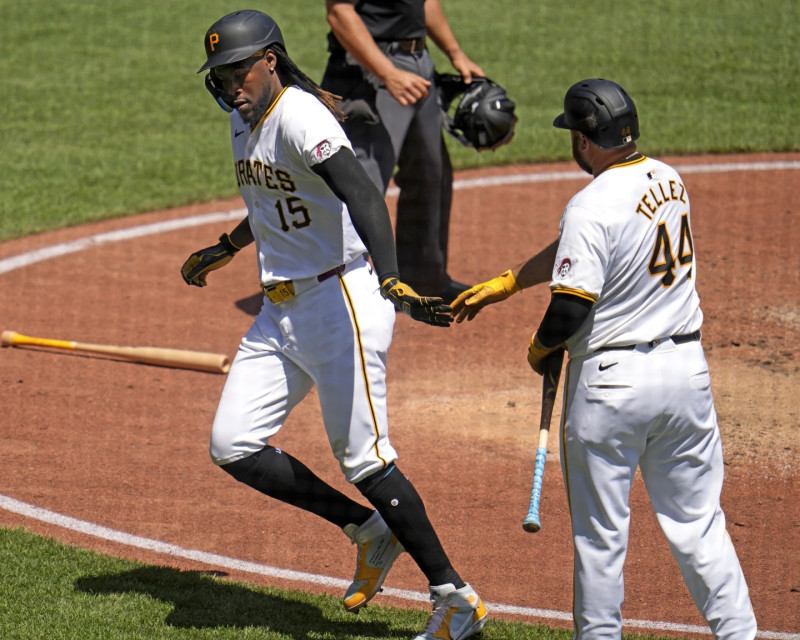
(625, 243)
(300, 227)
(331, 334)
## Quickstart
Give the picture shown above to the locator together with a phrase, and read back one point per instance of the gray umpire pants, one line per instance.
(386, 135)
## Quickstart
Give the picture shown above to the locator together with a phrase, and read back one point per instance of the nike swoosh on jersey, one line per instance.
(603, 367)
(236, 134)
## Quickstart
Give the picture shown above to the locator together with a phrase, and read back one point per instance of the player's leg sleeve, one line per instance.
(401, 507)
(279, 475)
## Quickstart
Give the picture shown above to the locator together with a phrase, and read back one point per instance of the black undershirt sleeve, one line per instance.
(345, 176)
(564, 316)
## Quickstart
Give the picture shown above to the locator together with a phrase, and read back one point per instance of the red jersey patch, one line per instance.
(564, 268)
(322, 151)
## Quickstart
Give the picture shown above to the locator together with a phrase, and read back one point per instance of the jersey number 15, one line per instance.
(296, 209)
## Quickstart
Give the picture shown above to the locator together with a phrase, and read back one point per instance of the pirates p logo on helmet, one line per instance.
(238, 35)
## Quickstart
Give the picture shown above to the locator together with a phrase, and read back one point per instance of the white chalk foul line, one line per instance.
(216, 560)
(65, 248)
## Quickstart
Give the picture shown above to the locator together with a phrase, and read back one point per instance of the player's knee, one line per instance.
(251, 469)
(225, 446)
(375, 480)
(220, 449)
(357, 471)
(398, 502)
(240, 469)
(388, 487)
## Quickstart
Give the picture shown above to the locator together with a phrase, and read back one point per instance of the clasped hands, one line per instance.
(426, 309)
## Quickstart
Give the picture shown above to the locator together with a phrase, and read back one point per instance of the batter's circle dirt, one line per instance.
(125, 445)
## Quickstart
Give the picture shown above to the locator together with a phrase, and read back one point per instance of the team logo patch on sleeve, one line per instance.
(564, 269)
(322, 151)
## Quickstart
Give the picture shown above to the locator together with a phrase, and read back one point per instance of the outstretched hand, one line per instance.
(200, 263)
(467, 305)
(431, 311)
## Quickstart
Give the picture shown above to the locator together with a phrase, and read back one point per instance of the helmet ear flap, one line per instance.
(223, 99)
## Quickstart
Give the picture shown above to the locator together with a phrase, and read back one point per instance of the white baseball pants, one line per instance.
(651, 408)
(334, 335)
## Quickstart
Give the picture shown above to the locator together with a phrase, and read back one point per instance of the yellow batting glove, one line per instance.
(426, 309)
(537, 353)
(467, 305)
(200, 263)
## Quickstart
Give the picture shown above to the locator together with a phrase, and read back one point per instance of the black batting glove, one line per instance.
(200, 263)
(431, 311)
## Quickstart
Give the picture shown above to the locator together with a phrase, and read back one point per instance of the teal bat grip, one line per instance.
(531, 522)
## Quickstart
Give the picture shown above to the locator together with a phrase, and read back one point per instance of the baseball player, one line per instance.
(637, 391)
(326, 319)
(380, 64)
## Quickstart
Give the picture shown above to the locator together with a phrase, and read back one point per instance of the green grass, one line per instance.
(89, 596)
(104, 114)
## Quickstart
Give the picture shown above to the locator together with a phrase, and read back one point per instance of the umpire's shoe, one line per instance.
(457, 613)
(377, 550)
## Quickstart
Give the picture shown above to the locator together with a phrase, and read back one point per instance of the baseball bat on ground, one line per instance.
(550, 378)
(178, 358)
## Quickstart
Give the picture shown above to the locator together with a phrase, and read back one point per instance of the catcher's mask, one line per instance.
(235, 37)
(484, 116)
(602, 111)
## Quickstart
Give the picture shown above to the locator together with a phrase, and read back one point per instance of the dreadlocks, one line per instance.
(290, 74)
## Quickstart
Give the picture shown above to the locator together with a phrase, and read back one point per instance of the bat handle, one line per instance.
(531, 523)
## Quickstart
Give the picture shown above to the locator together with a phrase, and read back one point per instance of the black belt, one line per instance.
(329, 274)
(677, 339)
(406, 46)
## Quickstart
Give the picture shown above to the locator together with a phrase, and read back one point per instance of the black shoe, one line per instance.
(452, 291)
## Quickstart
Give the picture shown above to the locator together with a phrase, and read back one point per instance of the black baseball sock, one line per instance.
(399, 504)
(277, 474)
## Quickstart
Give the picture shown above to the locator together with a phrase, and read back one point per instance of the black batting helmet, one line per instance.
(238, 35)
(484, 116)
(602, 111)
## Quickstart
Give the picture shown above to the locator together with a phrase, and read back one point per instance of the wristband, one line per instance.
(226, 241)
(537, 349)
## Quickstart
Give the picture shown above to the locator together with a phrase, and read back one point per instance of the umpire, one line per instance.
(380, 65)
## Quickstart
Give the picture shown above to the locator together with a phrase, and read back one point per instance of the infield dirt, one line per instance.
(125, 445)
